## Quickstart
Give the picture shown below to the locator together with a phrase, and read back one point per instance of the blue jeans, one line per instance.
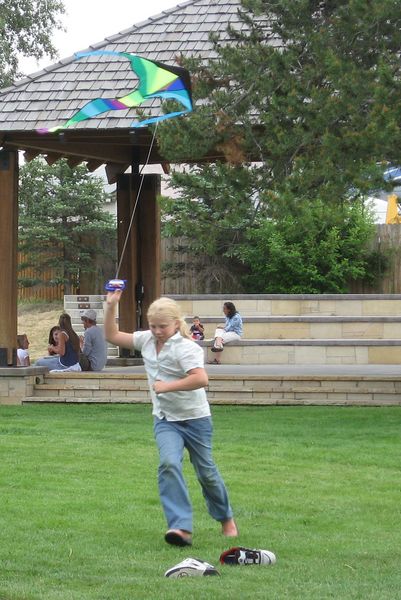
(196, 436)
(53, 362)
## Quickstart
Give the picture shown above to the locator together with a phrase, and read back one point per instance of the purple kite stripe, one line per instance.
(116, 104)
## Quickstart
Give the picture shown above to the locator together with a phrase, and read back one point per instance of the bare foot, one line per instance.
(229, 528)
(178, 537)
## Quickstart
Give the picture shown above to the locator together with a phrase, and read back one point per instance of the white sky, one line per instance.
(88, 22)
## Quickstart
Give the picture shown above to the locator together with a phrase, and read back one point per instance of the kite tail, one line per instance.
(90, 110)
(138, 124)
(97, 107)
(180, 95)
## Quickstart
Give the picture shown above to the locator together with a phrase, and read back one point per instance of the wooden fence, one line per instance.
(388, 246)
(387, 243)
(102, 268)
(47, 293)
(184, 281)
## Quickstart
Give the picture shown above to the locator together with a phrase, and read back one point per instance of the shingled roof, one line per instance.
(52, 95)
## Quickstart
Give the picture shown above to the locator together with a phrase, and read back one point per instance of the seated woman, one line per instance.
(230, 331)
(23, 359)
(67, 349)
(53, 339)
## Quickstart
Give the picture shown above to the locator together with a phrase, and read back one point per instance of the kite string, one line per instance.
(136, 203)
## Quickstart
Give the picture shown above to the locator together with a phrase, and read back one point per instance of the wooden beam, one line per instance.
(101, 145)
(51, 158)
(31, 155)
(93, 165)
(96, 150)
(8, 257)
(74, 161)
(101, 150)
(113, 145)
(113, 171)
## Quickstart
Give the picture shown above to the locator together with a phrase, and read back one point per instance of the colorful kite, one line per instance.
(156, 80)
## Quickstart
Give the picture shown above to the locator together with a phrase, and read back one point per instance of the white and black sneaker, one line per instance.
(247, 556)
(191, 567)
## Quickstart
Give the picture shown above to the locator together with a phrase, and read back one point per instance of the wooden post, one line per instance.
(140, 264)
(149, 251)
(8, 257)
(128, 268)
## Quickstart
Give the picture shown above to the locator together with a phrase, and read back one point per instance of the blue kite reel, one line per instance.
(115, 284)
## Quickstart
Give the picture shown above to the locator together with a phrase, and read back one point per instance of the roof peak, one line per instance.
(98, 45)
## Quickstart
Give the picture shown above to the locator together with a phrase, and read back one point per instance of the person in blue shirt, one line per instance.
(230, 331)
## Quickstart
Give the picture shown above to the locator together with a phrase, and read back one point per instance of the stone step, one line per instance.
(316, 327)
(293, 304)
(85, 387)
(76, 313)
(118, 361)
(290, 328)
(372, 390)
(302, 327)
(85, 400)
(306, 352)
(270, 304)
(84, 299)
(112, 352)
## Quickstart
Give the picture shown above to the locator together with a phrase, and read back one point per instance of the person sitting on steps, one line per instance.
(197, 329)
(229, 332)
(66, 351)
(53, 340)
(23, 359)
(93, 355)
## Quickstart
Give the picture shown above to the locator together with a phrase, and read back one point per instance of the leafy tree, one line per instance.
(319, 250)
(305, 106)
(61, 222)
(26, 27)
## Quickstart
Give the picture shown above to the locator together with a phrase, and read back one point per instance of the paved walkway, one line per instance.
(287, 370)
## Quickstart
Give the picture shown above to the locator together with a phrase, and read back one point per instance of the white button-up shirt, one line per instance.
(178, 356)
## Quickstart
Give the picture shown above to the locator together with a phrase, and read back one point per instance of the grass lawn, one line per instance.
(80, 516)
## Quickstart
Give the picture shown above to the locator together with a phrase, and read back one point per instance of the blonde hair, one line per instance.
(169, 309)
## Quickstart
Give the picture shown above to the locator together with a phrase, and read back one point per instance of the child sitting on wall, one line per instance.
(197, 329)
(23, 359)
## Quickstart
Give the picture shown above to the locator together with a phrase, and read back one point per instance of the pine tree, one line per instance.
(305, 106)
(61, 222)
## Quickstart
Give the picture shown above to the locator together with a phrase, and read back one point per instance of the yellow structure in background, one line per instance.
(393, 214)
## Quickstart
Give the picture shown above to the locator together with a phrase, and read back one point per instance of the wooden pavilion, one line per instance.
(50, 97)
